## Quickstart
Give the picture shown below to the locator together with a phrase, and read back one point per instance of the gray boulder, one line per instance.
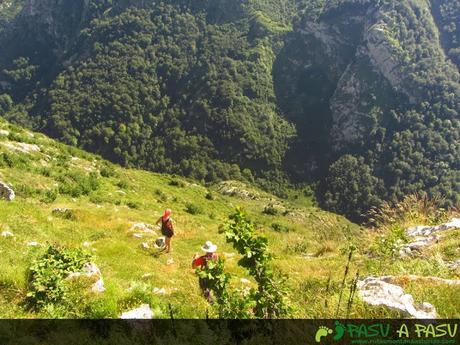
(143, 312)
(377, 292)
(6, 192)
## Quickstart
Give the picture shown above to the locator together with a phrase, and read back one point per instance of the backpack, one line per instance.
(167, 228)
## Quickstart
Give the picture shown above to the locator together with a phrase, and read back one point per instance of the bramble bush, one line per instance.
(46, 275)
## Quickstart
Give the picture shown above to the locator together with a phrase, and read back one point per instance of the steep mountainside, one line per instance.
(263, 91)
(83, 206)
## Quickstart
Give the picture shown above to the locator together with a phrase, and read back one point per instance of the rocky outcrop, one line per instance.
(91, 271)
(424, 236)
(21, 147)
(384, 55)
(143, 227)
(424, 230)
(411, 277)
(237, 189)
(378, 292)
(6, 192)
(143, 312)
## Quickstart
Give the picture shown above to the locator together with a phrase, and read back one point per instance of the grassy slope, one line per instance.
(105, 216)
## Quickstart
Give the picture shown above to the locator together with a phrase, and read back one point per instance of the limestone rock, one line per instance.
(143, 227)
(90, 270)
(417, 245)
(378, 292)
(158, 291)
(6, 192)
(6, 234)
(412, 277)
(21, 147)
(425, 236)
(236, 189)
(160, 243)
(33, 244)
(453, 265)
(423, 230)
(143, 312)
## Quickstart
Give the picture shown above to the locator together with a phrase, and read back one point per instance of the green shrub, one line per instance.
(389, 244)
(26, 191)
(193, 209)
(107, 171)
(210, 196)
(45, 172)
(8, 160)
(64, 213)
(50, 196)
(99, 235)
(123, 184)
(162, 196)
(77, 184)
(46, 275)
(270, 210)
(176, 183)
(297, 248)
(133, 205)
(271, 294)
(280, 227)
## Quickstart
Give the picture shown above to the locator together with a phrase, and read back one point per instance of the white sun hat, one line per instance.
(209, 247)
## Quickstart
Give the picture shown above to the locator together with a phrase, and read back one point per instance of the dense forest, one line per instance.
(359, 99)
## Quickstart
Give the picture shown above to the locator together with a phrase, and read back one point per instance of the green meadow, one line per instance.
(310, 246)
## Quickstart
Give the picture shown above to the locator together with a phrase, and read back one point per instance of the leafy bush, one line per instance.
(193, 209)
(133, 205)
(176, 183)
(270, 210)
(8, 160)
(297, 248)
(123, 184)
(388, 245)
(270, 296)
(163, 197)
(210, 196)
(280, 227)
(45, 172)
(107, 170)
(26, 190)
(64, 213)
(46, 275)
(230, 305)
(50, 196)
(77, 184)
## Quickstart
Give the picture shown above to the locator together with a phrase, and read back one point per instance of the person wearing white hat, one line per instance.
(202, 262)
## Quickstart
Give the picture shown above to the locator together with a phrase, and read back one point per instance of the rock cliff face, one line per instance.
(55, 21)
(366, 64)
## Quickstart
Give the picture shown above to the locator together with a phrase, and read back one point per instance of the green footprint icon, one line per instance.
(339, 331)
(322, 332)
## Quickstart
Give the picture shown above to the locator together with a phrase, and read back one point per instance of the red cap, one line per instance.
(167, 214)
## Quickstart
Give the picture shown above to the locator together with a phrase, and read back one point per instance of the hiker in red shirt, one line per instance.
(167, 228)
(201, 262)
